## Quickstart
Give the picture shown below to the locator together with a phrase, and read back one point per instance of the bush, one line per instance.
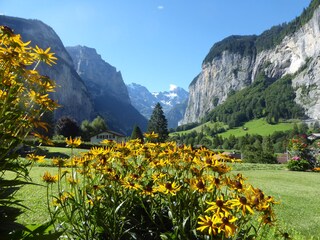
(303, 158)
(297, 164)
(155, 191)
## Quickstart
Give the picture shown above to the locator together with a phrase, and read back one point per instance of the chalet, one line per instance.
(314, 136)
(108, 135)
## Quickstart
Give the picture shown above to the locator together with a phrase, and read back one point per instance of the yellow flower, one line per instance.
(60, 162)
(219, 206)
(130, 185)
(96, 151)
(227, 226)
(151, 135)
(73, 142)
(44, 55)
(48, 178)
(73, 181)
(148, 190)
(35, 158)
(208, 223)
(266, 219)
(157, 175)
(243, 204)
(198, 185)
(64, 196)
(3, 95)
(171, 188)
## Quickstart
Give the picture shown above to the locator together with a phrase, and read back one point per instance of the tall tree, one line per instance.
(89, 129)
(67, 127)
(158, 123)
(86, 130)
(137, 133)
(99, 125)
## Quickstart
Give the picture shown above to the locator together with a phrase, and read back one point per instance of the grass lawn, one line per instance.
(200, 127)
(298, 192)
(299, 196)
(258, 126)
(52, 152)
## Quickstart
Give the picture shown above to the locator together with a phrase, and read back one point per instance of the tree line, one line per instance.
(68, 127)
(254, 148)
(266, 97)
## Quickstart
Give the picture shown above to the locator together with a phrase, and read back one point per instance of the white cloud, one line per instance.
(172, 87)
(160, 7)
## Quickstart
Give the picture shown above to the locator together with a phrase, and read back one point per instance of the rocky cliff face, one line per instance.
(228, 71)
(71, 93)
(99, 76)
(108, 90)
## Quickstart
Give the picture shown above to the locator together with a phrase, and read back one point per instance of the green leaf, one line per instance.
(119, 206)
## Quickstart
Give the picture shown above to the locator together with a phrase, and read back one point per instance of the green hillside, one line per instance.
(256, 126)
(260, 127)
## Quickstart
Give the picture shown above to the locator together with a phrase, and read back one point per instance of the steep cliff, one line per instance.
(71, 92)
(107, 88)
(234, 63)
(99, 76)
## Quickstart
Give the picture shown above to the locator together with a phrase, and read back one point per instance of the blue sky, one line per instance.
(154, 43)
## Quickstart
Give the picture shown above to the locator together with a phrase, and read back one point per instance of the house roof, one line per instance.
(112, 132)
(314, 136)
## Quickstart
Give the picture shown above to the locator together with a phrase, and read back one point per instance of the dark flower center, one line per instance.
(200, 185)
(209, 161)
(219, 203)
(169, 186)
(225, 220)
(217, 181)
(238, 185)
(135, 176)
(243, 200)
(148, 189)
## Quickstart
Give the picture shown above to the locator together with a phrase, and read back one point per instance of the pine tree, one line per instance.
(137, 134)
(158, 123)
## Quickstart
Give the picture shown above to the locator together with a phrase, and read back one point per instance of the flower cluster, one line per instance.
(24, 93)
(302, 158)
(24, 97)
(153, 190)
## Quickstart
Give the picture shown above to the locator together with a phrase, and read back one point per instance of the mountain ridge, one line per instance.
(144, 100)
(71, 91)
(78, 98)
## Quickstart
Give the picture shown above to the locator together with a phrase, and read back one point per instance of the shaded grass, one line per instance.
(34, 197)
(52, 152)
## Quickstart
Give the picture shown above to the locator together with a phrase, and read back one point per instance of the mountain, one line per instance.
(168, 99)
(107, 89)
(235, 63)
(71, 92)
(87, 86)
(173, 102)
(176, 113)
(142, 99)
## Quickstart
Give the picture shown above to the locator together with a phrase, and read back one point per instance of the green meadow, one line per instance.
(298, 211)
(258, 126)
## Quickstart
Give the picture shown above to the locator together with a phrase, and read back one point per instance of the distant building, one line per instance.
(314, 136)
(108, 135)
